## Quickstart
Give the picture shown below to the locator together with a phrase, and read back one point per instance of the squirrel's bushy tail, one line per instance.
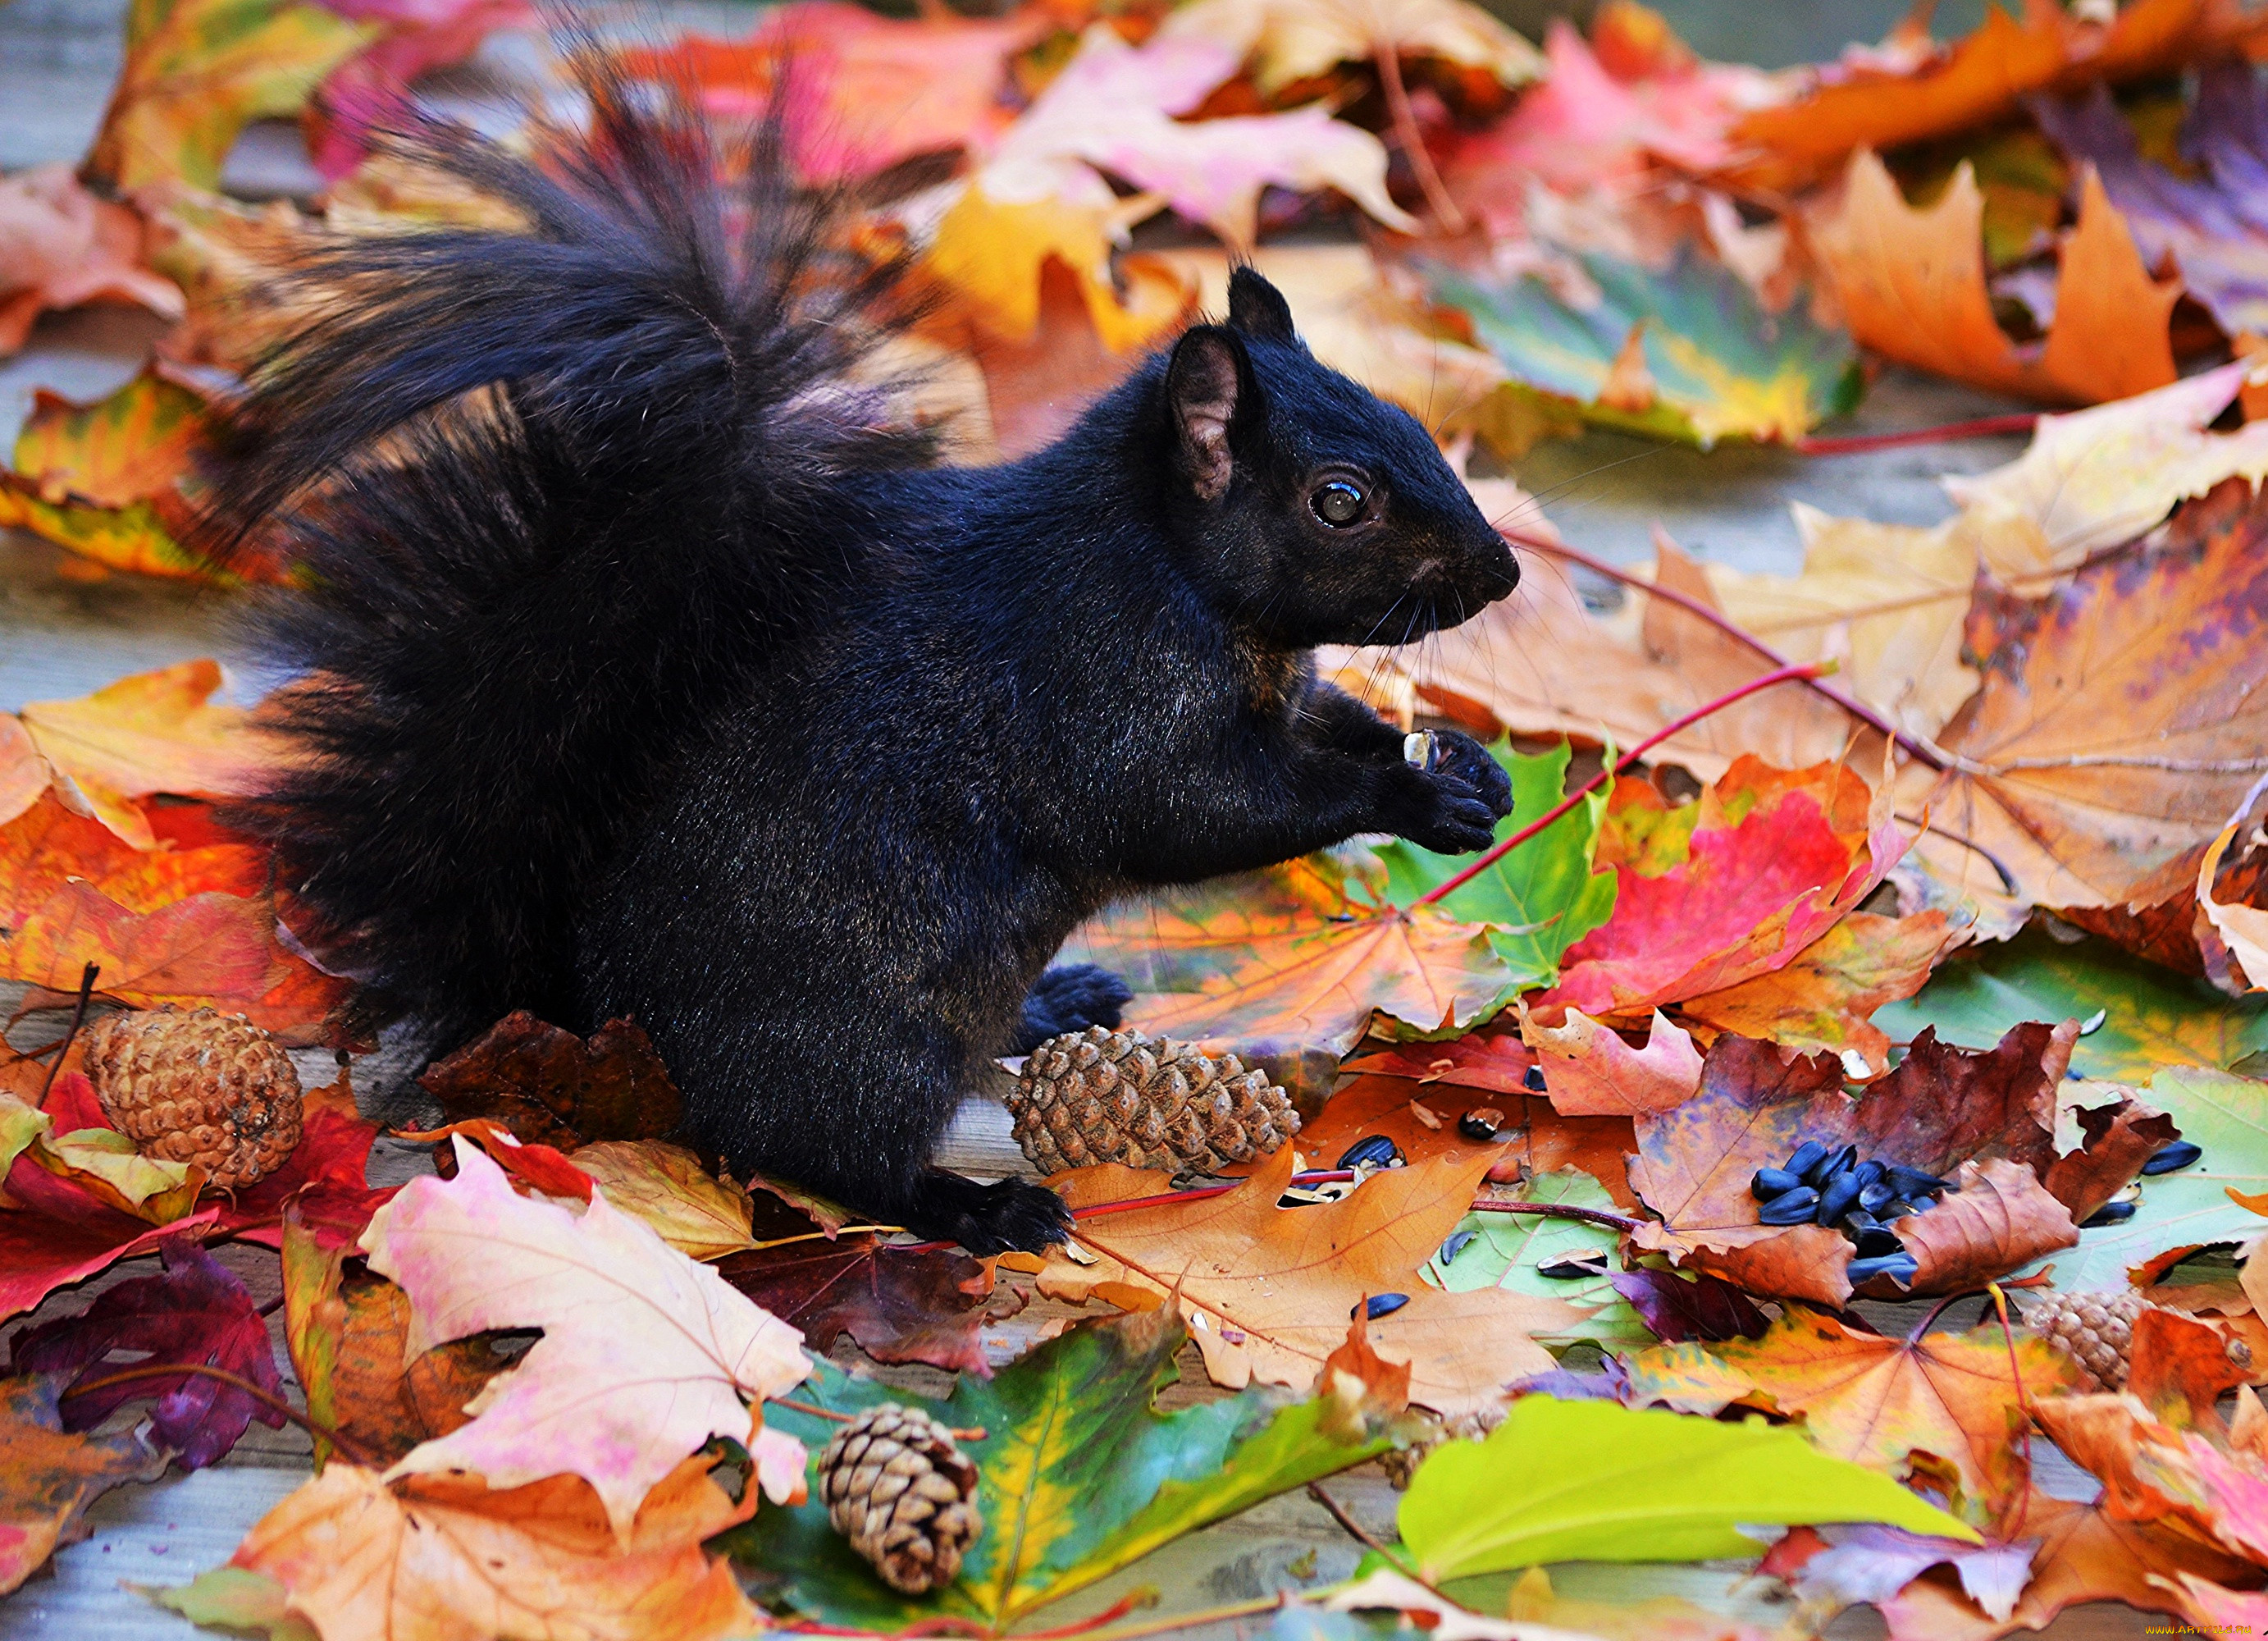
(550, 487)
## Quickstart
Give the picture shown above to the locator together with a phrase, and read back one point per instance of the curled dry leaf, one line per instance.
(1291, 40)
(646, 1354)
(552, 1088)
(1267, 1290)
(448, 1558)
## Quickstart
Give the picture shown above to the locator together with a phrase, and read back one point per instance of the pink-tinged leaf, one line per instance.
(61, 247)
(1492, 1057)
(197, 1312)
(372, 88)
(646, 1354)
(39, 1253)
(1750, 895)
(1871, 1561)
(1590, 1071)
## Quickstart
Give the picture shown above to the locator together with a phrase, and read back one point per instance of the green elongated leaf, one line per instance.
(1543, 896)
(231, 1597)
(1080, 1473)
(1588, 1481)
(1506, 1250)
(2152, 1017)
(1716, 365)
(2227, 1116)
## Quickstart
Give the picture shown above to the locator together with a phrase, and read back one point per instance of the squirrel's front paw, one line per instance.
(1464, 793)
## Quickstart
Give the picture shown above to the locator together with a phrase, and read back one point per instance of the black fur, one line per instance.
(655, 681)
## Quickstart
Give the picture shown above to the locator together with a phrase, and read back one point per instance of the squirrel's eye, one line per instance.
(1338, 503)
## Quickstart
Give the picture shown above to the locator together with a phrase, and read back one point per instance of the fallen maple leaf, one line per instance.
(552, 1088)
(1827, 997)
(1266, 1288)
(447, 1558)
(347, 1332)
(1895, 99)
(153, 732)
(1078, 1471)
(646, 1354)
(1876, 1399)
(41, 1252)
(1590, 1071)
(701, 1215)
(2201, 220)
(2117, 724)
(370, 90)
(1286, 964)
(197, 1312)
(1774, 860)
(61, 247)
(1492, 1057)
(197, 71)
(868, 91)
(136, 442)
(1912, 286)
(1843, 1565)
(47, 1478)
(1292, 40)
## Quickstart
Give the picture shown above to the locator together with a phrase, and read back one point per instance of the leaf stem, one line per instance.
(78, 1018)
(1557, 1210)
(1912, 746)
(1785, 673)
(974, 1433)
(2023, 1401)
(1362, 1535)
(1413, 141)
(345, 1444)
(1980, 427)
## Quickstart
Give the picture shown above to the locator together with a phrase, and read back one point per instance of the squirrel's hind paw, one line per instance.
(1012, 1215)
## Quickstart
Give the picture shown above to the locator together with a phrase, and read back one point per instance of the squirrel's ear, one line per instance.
(1201, 385)
(1258, 308)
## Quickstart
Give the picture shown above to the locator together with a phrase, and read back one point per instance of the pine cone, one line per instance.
(2094, 1329)
(200, 1086)
(1100, 1096)
(905, 1496)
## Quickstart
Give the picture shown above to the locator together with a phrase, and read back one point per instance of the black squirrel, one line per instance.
(650, 671)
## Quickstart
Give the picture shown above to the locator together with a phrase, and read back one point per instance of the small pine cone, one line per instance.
(905, 1496)
(197, 1087)
(1100, 1096)
(2093, 1328)
(1402, 1463)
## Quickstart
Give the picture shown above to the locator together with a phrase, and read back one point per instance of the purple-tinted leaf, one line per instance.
(1872, 1563)
(197, 1311)
(901, 1304)
(2214, 227)
(1680, 1311)
(1610, 1382)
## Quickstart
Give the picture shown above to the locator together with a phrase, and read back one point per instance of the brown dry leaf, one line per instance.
(60, 247)
(1590, 1071)
(1976, 79)
(226, 257)
(1267, 1290)
(47, 1479)
(702, 1216)
(1998, 1218)
(1826, 998)
(2119, 723)
(549, 1087)
(1874, 1398)
(1911, 284)
(445, 1558)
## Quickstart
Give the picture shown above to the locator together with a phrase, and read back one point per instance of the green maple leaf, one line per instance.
(1543, 896)
(1716, 365)
(1588, 1481)
(1079, 1473)
(2152, 1017)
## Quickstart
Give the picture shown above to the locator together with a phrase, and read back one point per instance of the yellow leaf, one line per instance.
(152, 732)
(1297, 39)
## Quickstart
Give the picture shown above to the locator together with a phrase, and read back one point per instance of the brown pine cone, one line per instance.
(905, 1496)
(2094, 1327)
(1100, 1096)
(197, 1087)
